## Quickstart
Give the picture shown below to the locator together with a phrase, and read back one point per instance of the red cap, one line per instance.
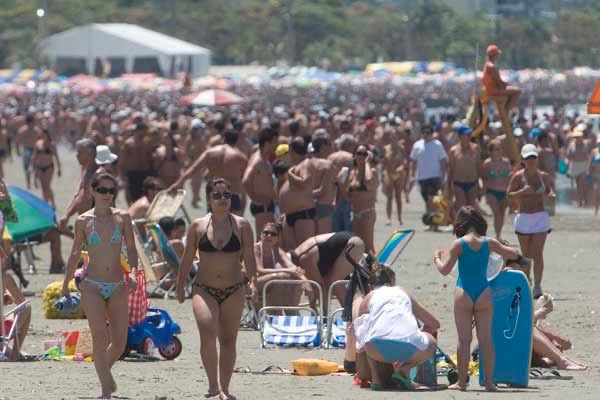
(493, 50)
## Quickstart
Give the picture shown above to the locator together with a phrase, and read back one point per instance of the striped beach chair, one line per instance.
(291, 330)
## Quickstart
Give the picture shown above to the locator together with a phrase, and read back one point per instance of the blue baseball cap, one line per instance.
(534, 133)
(464, 130)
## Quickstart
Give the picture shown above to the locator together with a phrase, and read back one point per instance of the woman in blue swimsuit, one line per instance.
(224, 241)
(104, 295)
(496, 177)
(472, 298)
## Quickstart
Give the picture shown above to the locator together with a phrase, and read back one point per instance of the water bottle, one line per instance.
(68, 305)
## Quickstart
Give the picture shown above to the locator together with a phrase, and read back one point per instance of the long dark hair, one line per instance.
(469, 218)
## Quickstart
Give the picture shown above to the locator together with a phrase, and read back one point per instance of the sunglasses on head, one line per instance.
(106, 190)
(270, 233)
(219, 195)
(362, 153)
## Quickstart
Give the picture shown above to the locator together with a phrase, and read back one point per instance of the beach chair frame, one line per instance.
(13, 333)
(331, 314)
(173, 264)
(262, 313)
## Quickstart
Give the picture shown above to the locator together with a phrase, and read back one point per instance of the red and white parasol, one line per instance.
(212, 97)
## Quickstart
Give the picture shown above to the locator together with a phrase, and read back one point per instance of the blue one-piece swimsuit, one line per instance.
(472, 269)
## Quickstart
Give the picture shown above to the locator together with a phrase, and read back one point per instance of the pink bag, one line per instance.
(138, 300)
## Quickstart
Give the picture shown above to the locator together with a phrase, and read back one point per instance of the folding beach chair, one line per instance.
(9, 332)
(388, 255)
(291, 330)
(171, 260)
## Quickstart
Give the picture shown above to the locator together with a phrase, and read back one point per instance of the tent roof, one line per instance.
(134, 35)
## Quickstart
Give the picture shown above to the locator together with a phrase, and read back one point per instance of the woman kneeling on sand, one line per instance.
(104, 294)
(387, 331)
(224, 241)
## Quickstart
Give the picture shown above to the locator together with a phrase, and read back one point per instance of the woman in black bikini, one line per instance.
(323, 260)
(42, 165)
(362, 193)
(224, 241)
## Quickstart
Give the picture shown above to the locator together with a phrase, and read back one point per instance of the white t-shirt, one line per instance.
(390, 317)
(428, 156)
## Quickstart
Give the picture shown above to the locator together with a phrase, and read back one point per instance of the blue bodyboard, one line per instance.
(512, 329)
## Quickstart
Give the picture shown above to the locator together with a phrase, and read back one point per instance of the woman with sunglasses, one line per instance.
(362, 193)
(224, 241)
(532, 222)
(496, 176)
(272, 263)
(104, 288)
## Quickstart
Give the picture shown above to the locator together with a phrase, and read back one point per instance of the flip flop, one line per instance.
(402, 381)
(551, 374)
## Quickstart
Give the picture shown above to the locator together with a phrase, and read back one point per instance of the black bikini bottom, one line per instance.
(220, 295)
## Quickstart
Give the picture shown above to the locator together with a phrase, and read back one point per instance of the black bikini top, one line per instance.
(205, 245)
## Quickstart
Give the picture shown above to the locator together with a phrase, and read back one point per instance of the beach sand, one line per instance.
(572, 253)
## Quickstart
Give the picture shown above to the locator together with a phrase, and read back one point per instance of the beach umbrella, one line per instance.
(35, 216)
(212, 97)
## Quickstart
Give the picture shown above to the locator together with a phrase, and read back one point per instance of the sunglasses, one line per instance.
(531, 158)
(270, 233)
(362, 153)
(106, 190)
(219, 195)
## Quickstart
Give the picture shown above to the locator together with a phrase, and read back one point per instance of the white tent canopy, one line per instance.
(137, 49)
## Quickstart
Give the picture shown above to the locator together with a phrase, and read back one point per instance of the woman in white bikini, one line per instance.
(532, 222)
(104, 285)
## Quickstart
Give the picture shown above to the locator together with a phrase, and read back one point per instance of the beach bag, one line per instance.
(138, 300)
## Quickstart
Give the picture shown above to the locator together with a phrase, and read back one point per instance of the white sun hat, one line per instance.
(104, 155)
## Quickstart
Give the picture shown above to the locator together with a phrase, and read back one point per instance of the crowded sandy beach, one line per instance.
(413, 230)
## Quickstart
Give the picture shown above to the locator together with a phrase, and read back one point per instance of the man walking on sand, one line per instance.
(258, 180)
(223, 161)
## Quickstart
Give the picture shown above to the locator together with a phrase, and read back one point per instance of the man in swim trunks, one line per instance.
(342, 158)
(136, 162)
(493, 83)
(27, 135)
(224, 161)
(325, 177)
(296, 196)
(258, 180)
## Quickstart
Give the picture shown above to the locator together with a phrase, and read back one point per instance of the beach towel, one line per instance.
(138, 300)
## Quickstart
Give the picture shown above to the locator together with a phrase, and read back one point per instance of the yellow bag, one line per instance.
(314, 367)
(52, 293)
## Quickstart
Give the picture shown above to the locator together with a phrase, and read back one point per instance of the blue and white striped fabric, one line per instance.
(300, 331)
(338, 333)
